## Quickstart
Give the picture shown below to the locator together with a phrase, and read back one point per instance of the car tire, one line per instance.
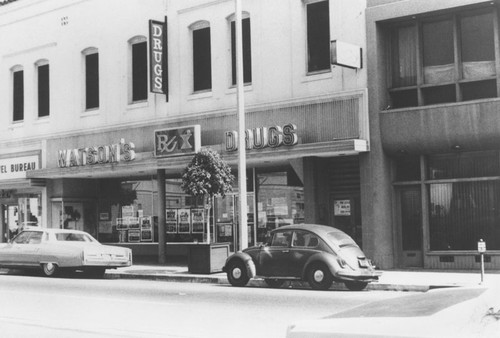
(319, 277)
(237, 274)
(95, 272)
(355, 286)
(273, 282)
(50, 269)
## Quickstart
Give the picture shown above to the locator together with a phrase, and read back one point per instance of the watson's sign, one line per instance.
(263, 137)
(158, 68)
(111, 153)
(17, 167)
(177, 141)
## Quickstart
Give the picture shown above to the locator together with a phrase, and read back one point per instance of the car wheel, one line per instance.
(50, 269)
(273, 282)
(237, 274)
(355, 286)
(319, 277)
(95, 272)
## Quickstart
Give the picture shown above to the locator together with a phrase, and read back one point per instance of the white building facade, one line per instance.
(85, 142)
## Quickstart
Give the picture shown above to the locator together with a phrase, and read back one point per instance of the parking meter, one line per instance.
(481, 248)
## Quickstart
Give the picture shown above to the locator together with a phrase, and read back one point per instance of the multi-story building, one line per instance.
(86, 132)
(434, 88)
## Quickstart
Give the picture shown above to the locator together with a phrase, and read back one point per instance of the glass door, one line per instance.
(411, 226)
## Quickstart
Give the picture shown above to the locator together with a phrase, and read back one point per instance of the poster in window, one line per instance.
(184, 216)
(198, 220)
(105, 227)
(342, 207)
(171, 221)
(128, 211)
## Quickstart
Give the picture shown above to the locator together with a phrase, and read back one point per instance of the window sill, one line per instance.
(318, 76)
(42, 120)
(200, 95)
(137, 104)
(90, 112)
(246, 88)
(16, 125)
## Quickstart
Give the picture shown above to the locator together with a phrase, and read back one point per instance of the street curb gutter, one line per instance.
(260, 283)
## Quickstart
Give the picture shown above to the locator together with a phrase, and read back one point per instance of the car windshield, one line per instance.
(341, 239)
(73, 237)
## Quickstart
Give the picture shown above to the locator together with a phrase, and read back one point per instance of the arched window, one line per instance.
(202, 58)
(247, 48)
(17, 93)
(91, 64)
(138, 69)
(43, 83)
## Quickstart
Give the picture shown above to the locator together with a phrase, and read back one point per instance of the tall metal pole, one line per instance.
(242, 177)
(162, 206)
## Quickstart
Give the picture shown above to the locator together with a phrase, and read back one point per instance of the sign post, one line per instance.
(481, 248)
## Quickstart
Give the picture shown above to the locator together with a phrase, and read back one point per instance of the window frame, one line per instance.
(247, 49)
(308, 65)
(458, 88)
(87, 53)
(200, 60)
(38, 65)
(17, 112)
(132, 89)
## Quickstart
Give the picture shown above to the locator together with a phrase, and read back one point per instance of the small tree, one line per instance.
(207, 175)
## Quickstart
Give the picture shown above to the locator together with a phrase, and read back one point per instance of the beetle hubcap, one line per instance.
(50, 266)
(237, 273)
(318, 276)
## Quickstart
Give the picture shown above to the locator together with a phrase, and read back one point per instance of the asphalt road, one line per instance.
(33, 306)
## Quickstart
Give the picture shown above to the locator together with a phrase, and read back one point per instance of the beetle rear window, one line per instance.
(341, 239)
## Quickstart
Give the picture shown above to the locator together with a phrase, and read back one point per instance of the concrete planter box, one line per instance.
(207, 258)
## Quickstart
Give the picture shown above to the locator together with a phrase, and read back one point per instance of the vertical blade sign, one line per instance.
(157, 51)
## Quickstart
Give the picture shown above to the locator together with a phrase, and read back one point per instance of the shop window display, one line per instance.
(280, 201)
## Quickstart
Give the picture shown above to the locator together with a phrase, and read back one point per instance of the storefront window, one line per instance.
(462, 213)
(280, 201)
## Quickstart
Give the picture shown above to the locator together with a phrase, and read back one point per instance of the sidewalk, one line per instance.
(395, 280)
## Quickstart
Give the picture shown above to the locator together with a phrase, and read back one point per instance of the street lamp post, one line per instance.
(242, 181)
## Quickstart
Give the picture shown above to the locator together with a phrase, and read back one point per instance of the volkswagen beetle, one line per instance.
(317, 254)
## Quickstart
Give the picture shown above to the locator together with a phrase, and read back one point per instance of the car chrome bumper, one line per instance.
(365, 276)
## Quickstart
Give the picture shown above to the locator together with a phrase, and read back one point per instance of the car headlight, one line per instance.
(341, 262)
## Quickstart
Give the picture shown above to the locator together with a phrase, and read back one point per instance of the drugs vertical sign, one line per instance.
(158, 57)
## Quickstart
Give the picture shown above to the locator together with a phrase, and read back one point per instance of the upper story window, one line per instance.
(443, 59)
(202, 58)
(139, 69)
(91, 59)
(318, 36)
(247, 50)
(42, 71)
(18, 94)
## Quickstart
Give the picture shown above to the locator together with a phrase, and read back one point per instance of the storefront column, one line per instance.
(2, 224)
(162, 205)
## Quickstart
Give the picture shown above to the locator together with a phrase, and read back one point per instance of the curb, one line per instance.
(260, 282)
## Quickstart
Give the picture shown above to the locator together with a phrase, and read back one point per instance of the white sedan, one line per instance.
(53, 250)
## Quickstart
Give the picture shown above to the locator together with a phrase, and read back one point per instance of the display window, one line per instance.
(280, 201)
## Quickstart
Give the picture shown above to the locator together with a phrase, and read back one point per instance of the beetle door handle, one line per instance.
(286, 250)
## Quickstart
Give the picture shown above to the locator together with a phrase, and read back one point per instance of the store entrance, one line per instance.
(345, 215)
(410, 220)
(227, 220)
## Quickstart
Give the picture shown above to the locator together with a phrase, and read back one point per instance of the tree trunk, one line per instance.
(209, 203)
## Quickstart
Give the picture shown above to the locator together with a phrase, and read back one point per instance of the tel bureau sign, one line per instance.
(177, 141)
(16, 167)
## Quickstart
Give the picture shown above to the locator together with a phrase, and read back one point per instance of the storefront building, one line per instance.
(110, 140)
(434, 101)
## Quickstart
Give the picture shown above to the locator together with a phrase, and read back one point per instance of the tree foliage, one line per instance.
(207, 175)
